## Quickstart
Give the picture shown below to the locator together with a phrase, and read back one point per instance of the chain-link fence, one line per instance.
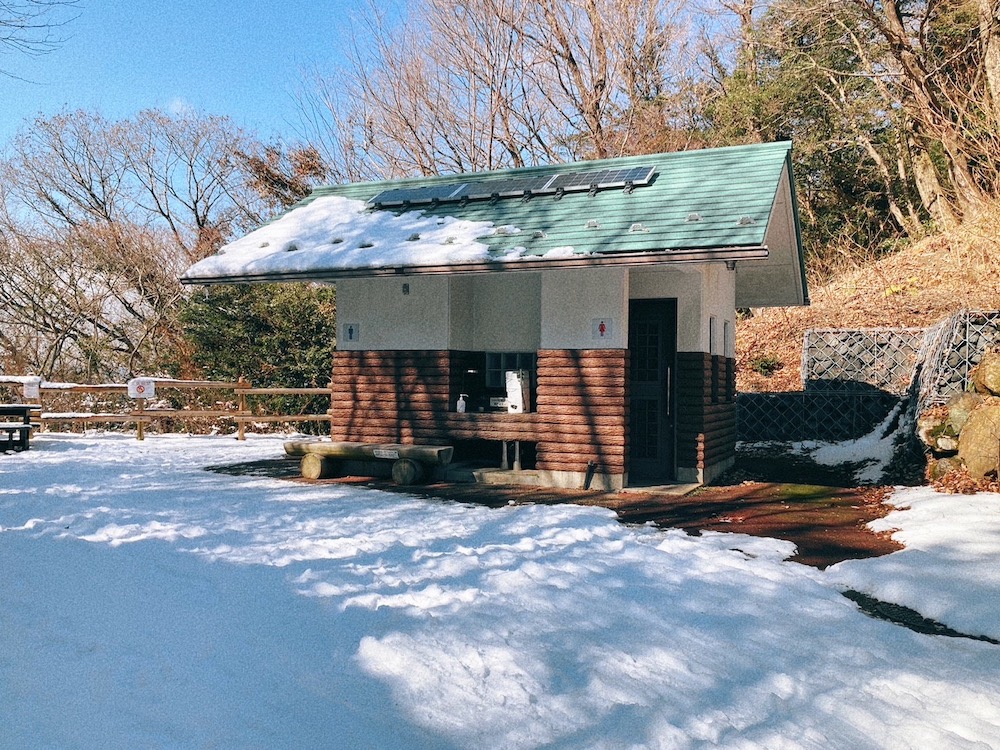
(811, 415)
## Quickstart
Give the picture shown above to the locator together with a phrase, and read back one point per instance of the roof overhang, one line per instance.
(665, 257)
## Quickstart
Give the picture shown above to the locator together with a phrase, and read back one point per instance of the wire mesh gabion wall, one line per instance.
(952, 349)
(816, 415)
(854, 378)
(850, 360)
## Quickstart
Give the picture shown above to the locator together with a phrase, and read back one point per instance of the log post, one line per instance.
(406, 472)
(333, 402)
(140, 432)
(315, 466)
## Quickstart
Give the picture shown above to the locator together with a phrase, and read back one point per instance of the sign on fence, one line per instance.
(141, 388)
(32, 388)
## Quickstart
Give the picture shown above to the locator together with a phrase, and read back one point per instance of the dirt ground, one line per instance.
(827, 524)
(813, 507)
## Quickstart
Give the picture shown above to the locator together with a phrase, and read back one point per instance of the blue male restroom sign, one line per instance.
(351, 333)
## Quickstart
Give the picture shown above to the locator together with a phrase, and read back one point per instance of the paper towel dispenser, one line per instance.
(518, 391)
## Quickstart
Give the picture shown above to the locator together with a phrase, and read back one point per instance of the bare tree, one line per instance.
(485, 84)
(930, 64)
(281, 175)
(29, 26)
(98, 220)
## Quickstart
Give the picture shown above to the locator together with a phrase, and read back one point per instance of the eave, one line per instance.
(664, 257)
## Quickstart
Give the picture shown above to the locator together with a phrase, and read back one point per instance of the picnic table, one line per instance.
(15, 427)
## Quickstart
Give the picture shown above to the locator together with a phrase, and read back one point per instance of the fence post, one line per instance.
(241, 406)
(140, 432)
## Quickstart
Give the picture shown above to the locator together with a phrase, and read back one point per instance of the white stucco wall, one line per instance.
(778, 279)
(496, 312)
(387, 318)
(701, 291)
(461, 291)
(576, 302)
(719, 302)
(560, 309)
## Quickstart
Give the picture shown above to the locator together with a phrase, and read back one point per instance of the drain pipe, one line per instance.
(591, 468)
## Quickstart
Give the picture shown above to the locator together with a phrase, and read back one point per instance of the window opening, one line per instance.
(497, 365)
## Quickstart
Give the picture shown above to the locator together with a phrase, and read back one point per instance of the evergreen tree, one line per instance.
(270, 334)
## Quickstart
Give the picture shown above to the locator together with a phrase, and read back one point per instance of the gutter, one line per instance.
(668, 257)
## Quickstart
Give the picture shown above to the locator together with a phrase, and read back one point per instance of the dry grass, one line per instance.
(915, 287)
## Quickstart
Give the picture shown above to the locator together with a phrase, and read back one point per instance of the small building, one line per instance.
(585, 312)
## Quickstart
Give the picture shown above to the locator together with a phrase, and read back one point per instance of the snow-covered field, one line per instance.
(148, 603)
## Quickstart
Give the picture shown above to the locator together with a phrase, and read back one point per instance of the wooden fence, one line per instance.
(199, 397)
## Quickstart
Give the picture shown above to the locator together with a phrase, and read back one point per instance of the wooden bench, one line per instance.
(410, 463)
(15, 427)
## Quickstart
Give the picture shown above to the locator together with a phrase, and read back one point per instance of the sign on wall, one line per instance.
(351, 333)
(602, 328)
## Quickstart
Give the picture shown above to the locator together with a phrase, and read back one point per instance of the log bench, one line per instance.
(410, 463)
(15, 427)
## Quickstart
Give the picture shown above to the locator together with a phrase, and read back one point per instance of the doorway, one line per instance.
(652, 344)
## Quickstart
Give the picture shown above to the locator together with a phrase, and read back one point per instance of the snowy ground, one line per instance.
(147, 603)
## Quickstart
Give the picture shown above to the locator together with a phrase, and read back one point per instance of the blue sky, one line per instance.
(241, 59)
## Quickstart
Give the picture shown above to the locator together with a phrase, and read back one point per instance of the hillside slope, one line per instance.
(914, 287)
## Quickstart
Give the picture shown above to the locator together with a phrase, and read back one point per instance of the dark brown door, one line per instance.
(652, 343)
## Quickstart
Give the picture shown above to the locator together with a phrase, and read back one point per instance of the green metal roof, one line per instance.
(733, 203)
(721, 185)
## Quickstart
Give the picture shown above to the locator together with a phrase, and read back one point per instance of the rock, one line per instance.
(979, 441)
(939, 467)
(985, 376)
(935, 431)
(959, 409)
(929, 426)
(946, 444)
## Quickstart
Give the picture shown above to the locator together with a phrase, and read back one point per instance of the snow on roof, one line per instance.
(333, 232)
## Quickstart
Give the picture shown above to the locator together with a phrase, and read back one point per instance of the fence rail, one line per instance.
(52, 399)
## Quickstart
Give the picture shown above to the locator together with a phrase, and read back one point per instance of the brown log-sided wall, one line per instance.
(580, 412)
(706, 411)
(582, 415)
(391, 396)
(409, 396)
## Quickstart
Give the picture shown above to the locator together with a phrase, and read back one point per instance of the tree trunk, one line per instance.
(926, 101)
(989, 33)
(932, 194)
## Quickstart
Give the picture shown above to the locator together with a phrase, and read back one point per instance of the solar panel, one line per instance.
(603, 179)
(513, 188)
(430, 194)
(516, 187)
